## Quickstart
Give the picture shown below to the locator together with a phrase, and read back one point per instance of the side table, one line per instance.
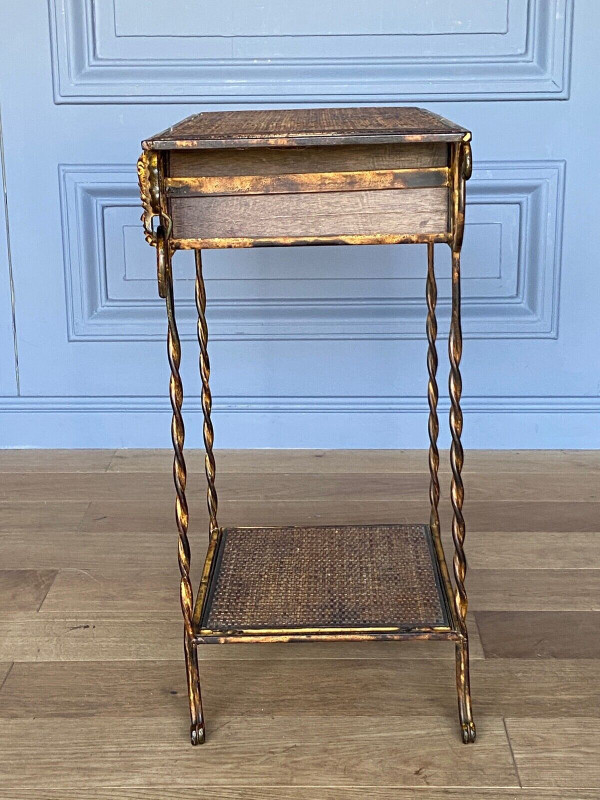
(341, 176)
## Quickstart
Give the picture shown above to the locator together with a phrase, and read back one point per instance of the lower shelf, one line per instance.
(322, 583)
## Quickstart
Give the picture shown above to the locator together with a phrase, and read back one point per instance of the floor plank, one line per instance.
(91, 638)
(504, 488)
(489, 517)
(25, 516)
(300, 793)
(308, 751)
(342, 461)
(539, 634)
(545, 550)
(72, 550)
(55, 460)
(123, 591)
(24, 589)
(534, 589)
(103, 548)
(4, 671)
(286, 686)
(563, 752)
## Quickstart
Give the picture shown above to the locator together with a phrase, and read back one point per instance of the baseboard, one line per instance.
(327, 422)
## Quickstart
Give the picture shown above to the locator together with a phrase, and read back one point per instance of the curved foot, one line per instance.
(469, 733)
(197, 734)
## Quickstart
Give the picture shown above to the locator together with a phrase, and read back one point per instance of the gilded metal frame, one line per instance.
(153, 189)
(290, 634)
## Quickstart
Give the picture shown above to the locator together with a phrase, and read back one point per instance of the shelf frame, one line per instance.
(307, 632)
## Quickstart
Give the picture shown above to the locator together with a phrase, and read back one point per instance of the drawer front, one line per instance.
(311, 214)
(278, 195)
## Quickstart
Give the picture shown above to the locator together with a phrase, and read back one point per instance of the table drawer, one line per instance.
(310, 215)
(223, 199)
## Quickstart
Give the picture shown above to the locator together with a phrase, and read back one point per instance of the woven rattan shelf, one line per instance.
(346, 583)
(343, 176)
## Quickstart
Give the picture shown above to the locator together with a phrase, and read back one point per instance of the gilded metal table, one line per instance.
(314, 177)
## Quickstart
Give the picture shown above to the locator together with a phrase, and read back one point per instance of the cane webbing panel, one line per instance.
(347, 577)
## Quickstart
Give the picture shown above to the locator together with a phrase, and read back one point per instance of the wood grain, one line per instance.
(301, 126)
(311, 750)
(22, 517)
(310, 461)
(113, 590)
(351, 181)
(539, 634)
(238, 487)
(563, 752)
(534, 550)
(55, 460)
(24, 589)
(534, 589)
(74, 550)
(483, 517)
(387, 211)
(287, 686)
(283, 160)
(79, 637)
(478, 462)
(502, 487)
(298, 793)
(110, 540)
(4, 671)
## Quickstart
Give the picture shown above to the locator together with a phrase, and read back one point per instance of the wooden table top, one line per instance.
(306, 126)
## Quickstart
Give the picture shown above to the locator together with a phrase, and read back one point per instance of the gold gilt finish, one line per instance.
(295, 241)
(160, 189)
(310, 182)
(289, 582)
(181, 507)
(208, 433)
(148, 179)
(462, 171)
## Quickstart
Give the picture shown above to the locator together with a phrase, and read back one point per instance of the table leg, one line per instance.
(181, 508)
(433, 424)
(432, 394)
(209, 460)
(457, 498)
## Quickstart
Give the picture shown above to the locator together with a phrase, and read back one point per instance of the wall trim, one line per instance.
(82, 74)
(504, 404)
(326, 422)
(530, 310)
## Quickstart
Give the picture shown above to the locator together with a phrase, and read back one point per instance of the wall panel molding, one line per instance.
(511, 269)
(380, 51)
(9, 362)
(303, 404)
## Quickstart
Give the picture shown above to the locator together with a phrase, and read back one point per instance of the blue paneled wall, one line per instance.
(310, 347)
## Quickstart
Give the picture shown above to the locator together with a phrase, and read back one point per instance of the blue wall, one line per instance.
(310, 347)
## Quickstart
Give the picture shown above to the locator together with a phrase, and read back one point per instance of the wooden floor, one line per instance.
(93, 698)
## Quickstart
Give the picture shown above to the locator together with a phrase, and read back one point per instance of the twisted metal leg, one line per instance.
(209, 459)
(434, 427)
(463, 683)
(181, 508)
(457, 497)
(432, 393)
